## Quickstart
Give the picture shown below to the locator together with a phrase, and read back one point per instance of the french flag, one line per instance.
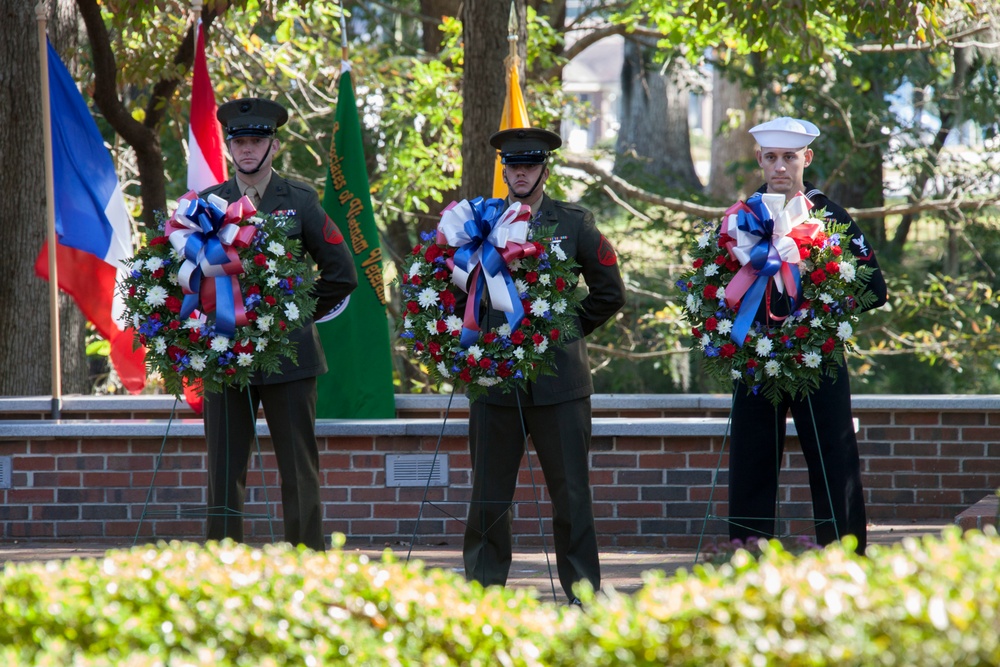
(206, 161)
(93, 226)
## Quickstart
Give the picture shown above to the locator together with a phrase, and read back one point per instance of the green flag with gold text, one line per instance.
(356, 338)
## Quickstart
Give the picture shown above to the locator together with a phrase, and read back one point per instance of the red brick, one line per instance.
(936, 464)
(873, 418)
(939, 496)
(640, 510)
(615, 493)
(31, 495)
(617, 461)
(935, 434)
(359, 478)
(106, 479)
(662, 460)
(638, 444)
(904, 449)
(55, 447)
(969, 418)
(615, 526)
(892, 464)
(984, 434)
(33, 463)
(372, 495)
(888, 433)
(914, 418)
(963, 449)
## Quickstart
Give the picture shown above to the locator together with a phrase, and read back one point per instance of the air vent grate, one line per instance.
(416, 469)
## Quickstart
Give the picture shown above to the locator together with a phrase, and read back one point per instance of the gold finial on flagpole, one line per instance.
(196, 10)
(512, 59)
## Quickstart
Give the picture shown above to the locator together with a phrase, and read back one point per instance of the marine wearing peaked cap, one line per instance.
(785, 132)
(251, 117)
(525, 145)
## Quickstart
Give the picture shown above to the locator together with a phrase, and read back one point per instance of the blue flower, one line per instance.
(427, 237)
(407, 334)
(682, 285)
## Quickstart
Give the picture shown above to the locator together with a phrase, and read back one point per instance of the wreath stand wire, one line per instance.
(735, 521)
(216, 510)
(510, 504)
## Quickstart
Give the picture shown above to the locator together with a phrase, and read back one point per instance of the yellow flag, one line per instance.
(515, 114)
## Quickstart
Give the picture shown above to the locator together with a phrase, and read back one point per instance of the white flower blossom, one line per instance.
(693, 303)
(416, 268)
(292, 311)
(558, 252)
(453, 322)
(811, 359)
(847, 272)
(816, 323)
(711, 269)
(706, 340)
(763, 346)
(735, 374)
(720, 294)
(272, 281)
(541, 347)
(514, 266)
(703, 240)
(520, 286)
(407, 324)
(427, 297)
(844, 330)
(156, 296)
(272, 265)
(177, 255)
(487, 381)
(244, 359)
(159, 345)
(443, 370)
(503, 329)
(559, 306)
(432, 327)
(772, 368)
(137, 265)
(724, 327)
(476, 352)
(519, 353)
(173, 279)
(825, 298)
(154, 264)
(261, 344)
(539, 307)
(544, 279)
(219, 344)
(276, 248)
(197, 362)
(264, 322)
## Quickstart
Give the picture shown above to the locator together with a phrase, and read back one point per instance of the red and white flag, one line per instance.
(207, 161)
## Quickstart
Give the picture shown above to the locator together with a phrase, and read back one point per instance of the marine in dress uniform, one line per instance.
(758, 427)
(555, 409)
(288, 396)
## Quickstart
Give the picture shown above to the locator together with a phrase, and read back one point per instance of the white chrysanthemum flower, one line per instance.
(541, 347)
(844, 330)
(706, 340)
(703, 240)
(487, 381)
(519, 353)
(720, 294)
(135, 321)
(816, 323)
(177, 254)
(407, 324)
(173, 279)
(219, 344)
(544, 279)
(724, 327)
(416, 268)
(264, 322)
(711, 269)
(735, 374)
(154, 264)
(432, 327)
(520, 286)
(514, 266)
(772, 367)
(847, 272)
(559, 306)
(292, 311)
(427, 297)
(559, 252)
(156, 296)
(197, 362)
(159, 345)
(504, 329)
(825, 298)
(476, 352)
(453, 322)
(261, 344)
(693, 303)
(272, 281)
(191, 323)
(275, 248)
(244, 359)
(443, 370)
(763, 346)
(137, 265)
(539, 307)
(811, 359)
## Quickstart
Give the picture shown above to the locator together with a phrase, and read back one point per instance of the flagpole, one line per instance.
(196, 12)
(343, 39)
(41, 12)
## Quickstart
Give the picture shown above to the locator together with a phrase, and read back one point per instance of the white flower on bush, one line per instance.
(559, 252)
(763, 346)
(772, 368)
(711, 270)
(443, 370)
(292, 312)
(244, 359)
(514, 266)
(219, 344)
(559, 306)
(453, 322)
(487, 381)
(541, 347)
(261, 344)
(432, 327)
(154, 264)
(703, 240)
(264, 322)
(735, 374)
(276, 248)
(825, 298)
(847, 272)
(720, 294)
(519, 353)
(693, 303)
(159, 345)
(844, 330)
(407, 324)
(811, 359)
(706, 340)
(197, 362)
(177, 255)
(272, 265)
(503, 330)
(816, 323)
(476, 352)
(137, 265)
(427, 297)
(539, 307)
(416, 268)
(156, 296)
(520, 286)
(173, 279)
(725, 326)
(544, 279)
(272, 281)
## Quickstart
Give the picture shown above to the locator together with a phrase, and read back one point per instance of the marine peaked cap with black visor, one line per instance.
(251, 117)
(525, 145)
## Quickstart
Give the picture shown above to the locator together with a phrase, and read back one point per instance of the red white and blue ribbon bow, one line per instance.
(487, 239)
(207, 233)
(764, 231)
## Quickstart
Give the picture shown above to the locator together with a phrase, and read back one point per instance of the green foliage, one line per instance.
(919, 603)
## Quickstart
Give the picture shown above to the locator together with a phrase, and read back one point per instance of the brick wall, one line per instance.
(653, 464)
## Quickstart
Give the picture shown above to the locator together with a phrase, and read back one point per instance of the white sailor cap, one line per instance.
(784, 132)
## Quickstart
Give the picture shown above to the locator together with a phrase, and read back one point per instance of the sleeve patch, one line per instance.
(606, 252)
(331, 233)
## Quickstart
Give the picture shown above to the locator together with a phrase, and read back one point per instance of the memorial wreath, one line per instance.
(216, 294)
(760, 243)
(483, 249)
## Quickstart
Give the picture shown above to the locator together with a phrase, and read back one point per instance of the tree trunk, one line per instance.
(434, 10)
(734, 173)
(653, 147)
(484, 25)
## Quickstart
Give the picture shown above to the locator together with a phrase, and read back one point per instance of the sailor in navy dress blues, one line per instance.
(288, 396)
(555, 409)
(758, 427)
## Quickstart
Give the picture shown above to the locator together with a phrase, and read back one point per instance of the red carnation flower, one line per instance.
(517, 337)
(417, 249)
(727, 350)
(173, 304)
(253, 289)
(441, 326)
(836, 250)
(732, 265)
(697, 263)
(412, 307)
(418, 346)
(724, 239)
(828, 346)
(252, 316)
(832, 267)
(230, 371)
(503, 371)
(259, 259)
(710, 324)
(539, 248)
(489, 337)
(175, 353)
(817, 276)
(441, 274)
(537, 338)
(471, 361)
(826, 308)
(433, 252)
(270, 300)
(531, 277)
(174, 324)
(131, 291)
(158, 274)
(159, 240)
(560, 284)
(554, 334)
(751, 363)
(710, 291)
(526, 322)
(485, 364)
(193, 336)
(416, 280)
(282, 325)
(720, 260)
(696, 332)
(447, 299)
(465, 375)
(434, 348)
(802, 331)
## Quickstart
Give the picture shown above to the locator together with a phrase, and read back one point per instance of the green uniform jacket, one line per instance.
(324, 243)
(580, 239)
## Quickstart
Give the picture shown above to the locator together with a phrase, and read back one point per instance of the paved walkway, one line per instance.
(620, 568)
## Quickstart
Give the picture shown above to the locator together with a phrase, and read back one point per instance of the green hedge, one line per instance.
(929, 602)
